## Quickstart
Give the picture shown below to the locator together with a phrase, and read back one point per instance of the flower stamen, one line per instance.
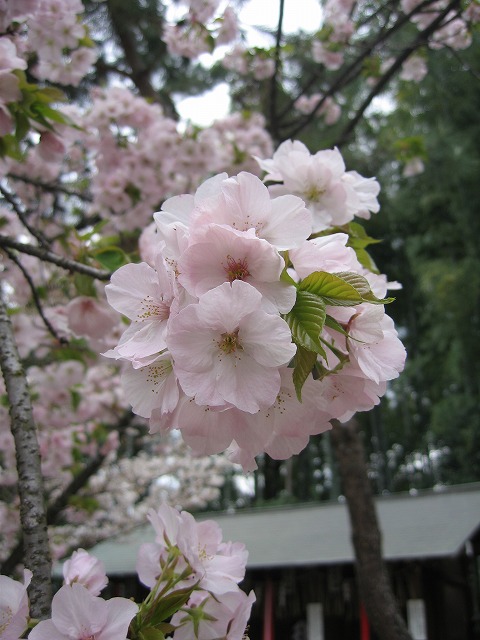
(230, 343)
(236, 269)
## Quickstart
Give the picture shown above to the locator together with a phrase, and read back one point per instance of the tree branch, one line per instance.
(273, 81)
(58, 505)
(50, 328)
(49, 256)
(22, 215)
(392, 70)
(30, 482)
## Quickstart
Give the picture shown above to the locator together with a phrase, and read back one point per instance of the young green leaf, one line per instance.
(111, 258)
(306, 321)
(303, 364)
(333, 289)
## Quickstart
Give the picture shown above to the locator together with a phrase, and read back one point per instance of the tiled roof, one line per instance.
(428, 525)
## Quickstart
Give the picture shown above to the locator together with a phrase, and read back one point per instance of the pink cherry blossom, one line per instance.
(227, 350)
(13, 606)
(326, 253)
(219, 254)
(206, 429)
(414, 69)
(77, 615)
(87, 570)
(51, 147)
(226, 617)
(413, 167)
(333, 195)
(152, 387)
(330, 59)
(374, 344)
(217, 566)
(283, 429)
(243, 202)
(348, 391)
(145, 296)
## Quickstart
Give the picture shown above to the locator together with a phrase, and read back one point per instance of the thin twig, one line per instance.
(22, 215)
(36, 299)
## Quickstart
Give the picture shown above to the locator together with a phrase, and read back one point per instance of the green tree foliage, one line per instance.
(431, 226)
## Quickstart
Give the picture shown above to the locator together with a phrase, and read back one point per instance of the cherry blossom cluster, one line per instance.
(329, 110)
(76, 411)
(9, 82)
(193, 576)
(132, 158)
(126, 488)
(52, 32)
(234, 297)
(201, 29)
(454, 31)
(256, 62)
(77, 406)
(338, 28)
(333, 195)
(190, 557)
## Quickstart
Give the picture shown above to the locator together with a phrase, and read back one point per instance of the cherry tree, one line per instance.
(213, 283)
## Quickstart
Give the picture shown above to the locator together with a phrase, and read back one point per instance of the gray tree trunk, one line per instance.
(30, 482)
(372, 576)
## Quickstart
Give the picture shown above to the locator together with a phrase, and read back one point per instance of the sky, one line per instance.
(298, 14)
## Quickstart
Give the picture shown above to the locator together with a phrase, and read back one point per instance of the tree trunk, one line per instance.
(30, 482)
(372, 576)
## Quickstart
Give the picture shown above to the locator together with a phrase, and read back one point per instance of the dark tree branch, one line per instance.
(140, 73)
(33, 516)
(392, 70)
(51, 188)
(22, 215)
(49, 256)
(273, 81)
(354, 68)
(350, 72)
(36, 299)
(55, 509)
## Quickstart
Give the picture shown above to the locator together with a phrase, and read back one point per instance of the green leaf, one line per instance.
(50, 94)
(166, 627)
(365, 259)
(358, 237)
(360, 283)
(110, 257)
(170, 604)
(150, 633)
(333, 289)
(47, 113)
(285, 277)
(22, 125)
(84, 285)
(331, 323)
(306, 321)
(304, 362)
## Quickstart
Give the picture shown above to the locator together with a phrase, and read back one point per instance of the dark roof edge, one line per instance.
(386, 497)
